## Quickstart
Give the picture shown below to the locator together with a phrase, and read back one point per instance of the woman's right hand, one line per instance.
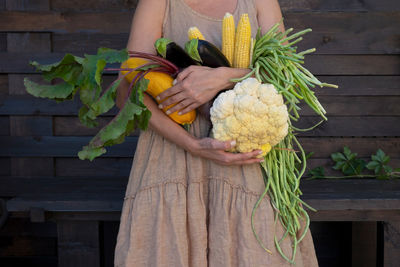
(216, 150)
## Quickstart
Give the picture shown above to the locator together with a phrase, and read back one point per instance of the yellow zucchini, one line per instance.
(158, 83)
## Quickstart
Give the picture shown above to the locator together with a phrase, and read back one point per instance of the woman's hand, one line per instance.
(197, 85)
(215, 150)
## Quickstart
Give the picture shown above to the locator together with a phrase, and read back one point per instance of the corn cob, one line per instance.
(241, 57)
(194, 33)
(228, 37)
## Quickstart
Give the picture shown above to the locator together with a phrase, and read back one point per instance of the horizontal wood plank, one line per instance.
(66, 125)
(30, 105)
(100, 167)
(18, 186)
(317, 64)
(346, 105)
(338, 5)
(121, 166)
(51, 146)
(353, 64)
(96, 22)
(94, 5)
(356, 106)
(28, 42)
(352, 33)
(87, 42)
(351, 126)
(31, 5)
(286, 5)
(360, 86)
(373, 199)
(353, 215)
(32, 167)
(31, 125)
(61, 146)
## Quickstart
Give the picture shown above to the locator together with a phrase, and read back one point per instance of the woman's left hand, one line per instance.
(194, 86)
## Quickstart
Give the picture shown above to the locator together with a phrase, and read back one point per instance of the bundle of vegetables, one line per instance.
(258, 114)
(144, 72)
(83, 75)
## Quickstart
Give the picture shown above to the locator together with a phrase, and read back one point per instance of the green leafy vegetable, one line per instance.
(121, 125)
(83, 75)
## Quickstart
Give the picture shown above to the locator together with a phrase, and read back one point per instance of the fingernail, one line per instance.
(261, 160)
(260, 152)
(174, 82)
(158, 98)
(168, 112)
(160, 106)
(233, 143)
(179, 113)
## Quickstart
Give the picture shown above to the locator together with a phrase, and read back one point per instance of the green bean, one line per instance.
(295, 35)
(281, 65)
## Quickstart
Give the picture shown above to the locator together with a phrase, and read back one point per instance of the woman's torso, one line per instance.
(179, 17)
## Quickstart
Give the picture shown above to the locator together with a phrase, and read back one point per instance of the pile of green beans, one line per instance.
(276, 61)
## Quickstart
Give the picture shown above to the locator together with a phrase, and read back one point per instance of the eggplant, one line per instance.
(173, 53)
(206, 53)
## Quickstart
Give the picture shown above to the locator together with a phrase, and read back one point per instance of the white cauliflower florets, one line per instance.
(253, 114)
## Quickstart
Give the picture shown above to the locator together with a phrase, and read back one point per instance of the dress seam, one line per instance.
(203, 180)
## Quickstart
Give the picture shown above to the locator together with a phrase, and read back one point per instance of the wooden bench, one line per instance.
(78, 204)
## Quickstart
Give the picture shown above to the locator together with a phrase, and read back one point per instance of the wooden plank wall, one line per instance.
(358, 47)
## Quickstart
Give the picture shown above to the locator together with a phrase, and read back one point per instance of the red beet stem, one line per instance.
(155, 58)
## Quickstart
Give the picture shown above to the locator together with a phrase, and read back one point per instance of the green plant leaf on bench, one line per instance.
(379, 164)
(317, 172)
(347, 162)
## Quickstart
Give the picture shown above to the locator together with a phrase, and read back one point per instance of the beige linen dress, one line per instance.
(182, 210)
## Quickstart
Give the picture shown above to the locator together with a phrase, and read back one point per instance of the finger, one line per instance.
(183, 74)
(188, 108)
(241, 157)
(169, 92)
(179, 106)
(249, 161)
(237, 159)
(172, 100)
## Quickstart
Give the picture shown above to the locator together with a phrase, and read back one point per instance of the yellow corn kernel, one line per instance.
(228, 37)
(241, 57)
(194, 33)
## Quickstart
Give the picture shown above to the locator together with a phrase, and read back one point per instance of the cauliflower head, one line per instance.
(253, 114)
